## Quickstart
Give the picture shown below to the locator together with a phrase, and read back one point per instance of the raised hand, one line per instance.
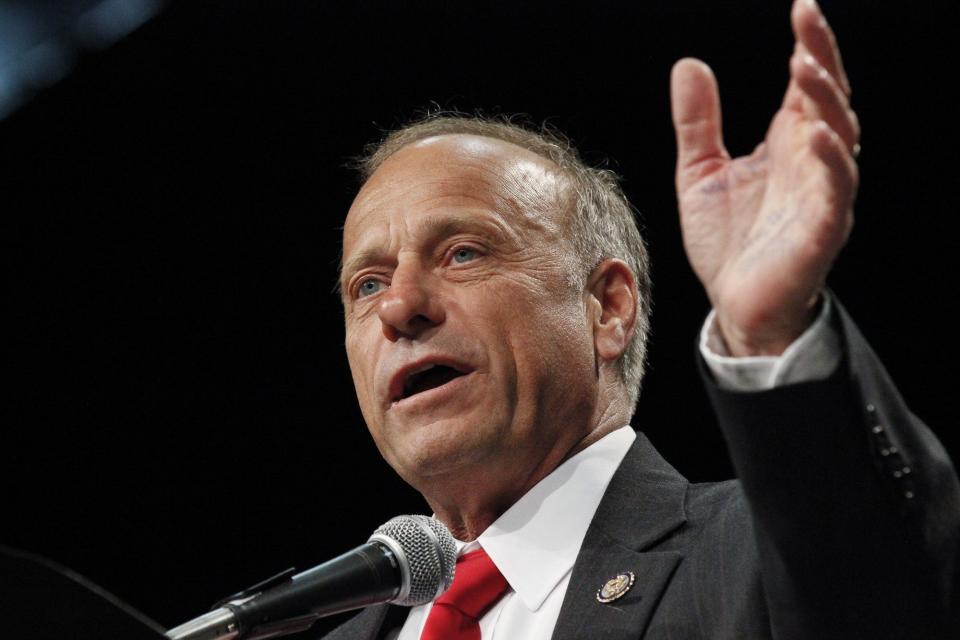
(761, 231)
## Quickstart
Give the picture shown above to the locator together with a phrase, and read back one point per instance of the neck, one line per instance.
(472, 501)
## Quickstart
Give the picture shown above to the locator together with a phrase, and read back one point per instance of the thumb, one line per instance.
(695, 103)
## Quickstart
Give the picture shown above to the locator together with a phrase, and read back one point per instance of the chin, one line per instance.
(440, 449)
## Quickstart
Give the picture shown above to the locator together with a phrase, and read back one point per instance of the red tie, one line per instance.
(477, 585)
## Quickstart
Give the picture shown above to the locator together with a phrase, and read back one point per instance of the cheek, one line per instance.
(550, 341)
(362, 367)
(566, 349)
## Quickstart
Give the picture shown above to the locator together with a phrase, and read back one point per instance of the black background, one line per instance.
(181, 421)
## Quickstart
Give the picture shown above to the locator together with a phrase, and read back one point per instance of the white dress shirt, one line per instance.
(535, 542)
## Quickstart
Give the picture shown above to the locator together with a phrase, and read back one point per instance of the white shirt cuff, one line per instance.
(812, 356)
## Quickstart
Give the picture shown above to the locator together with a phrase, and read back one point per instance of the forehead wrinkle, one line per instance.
(432, 228)
(523, 193)
(484, 192)
(373, 199)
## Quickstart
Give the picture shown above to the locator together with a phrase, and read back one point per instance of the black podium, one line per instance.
(40, 600)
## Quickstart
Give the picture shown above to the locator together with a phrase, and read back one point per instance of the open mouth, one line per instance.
(429, 377)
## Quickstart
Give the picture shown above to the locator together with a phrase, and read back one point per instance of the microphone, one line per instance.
(409, 560)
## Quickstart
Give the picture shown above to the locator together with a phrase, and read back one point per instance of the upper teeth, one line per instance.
(420, 369)
(407, 384)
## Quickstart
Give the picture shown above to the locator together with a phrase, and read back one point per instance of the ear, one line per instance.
(611, 292)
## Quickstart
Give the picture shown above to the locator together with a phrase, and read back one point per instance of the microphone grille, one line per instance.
(428, 555)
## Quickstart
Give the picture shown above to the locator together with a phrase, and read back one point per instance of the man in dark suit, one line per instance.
(496, 295)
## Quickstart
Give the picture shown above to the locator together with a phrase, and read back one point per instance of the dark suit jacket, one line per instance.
(844, 523)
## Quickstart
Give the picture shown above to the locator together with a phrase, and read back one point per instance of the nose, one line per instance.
(411, 305)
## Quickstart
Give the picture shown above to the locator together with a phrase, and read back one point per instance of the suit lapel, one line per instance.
(643, 504)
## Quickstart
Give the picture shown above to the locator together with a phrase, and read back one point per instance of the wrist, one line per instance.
(770, 337)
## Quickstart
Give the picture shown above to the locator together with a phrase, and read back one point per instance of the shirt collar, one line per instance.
(535, 543)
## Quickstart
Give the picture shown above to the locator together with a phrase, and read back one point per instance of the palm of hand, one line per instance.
(762, 230)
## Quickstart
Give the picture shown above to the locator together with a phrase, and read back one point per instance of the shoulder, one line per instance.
(718, 582)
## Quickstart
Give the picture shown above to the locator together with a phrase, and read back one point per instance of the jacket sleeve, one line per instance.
(855, 503)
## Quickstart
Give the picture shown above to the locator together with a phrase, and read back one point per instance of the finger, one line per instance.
(814, 34)
(695, 105)
(793, 98)
(823, 99)
(841, 169)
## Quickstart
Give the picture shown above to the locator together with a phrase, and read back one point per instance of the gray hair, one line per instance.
(604, 223)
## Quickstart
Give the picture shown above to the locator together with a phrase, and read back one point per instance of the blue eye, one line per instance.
(464, 254)
(369, 287)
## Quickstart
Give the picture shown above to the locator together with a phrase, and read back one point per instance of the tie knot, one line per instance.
(477, 585)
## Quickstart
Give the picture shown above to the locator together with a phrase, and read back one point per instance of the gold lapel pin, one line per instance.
(615, 588)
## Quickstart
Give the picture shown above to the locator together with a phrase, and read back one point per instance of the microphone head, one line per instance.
(426, 553)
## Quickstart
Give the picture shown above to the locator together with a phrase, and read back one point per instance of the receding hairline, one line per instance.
(543, 141)
(508, 160)
(488, 141)
(562, 189)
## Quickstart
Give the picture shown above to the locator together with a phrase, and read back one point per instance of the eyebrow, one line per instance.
(431, 229)
(360, 260)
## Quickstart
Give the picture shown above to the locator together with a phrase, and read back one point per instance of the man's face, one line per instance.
(470, 349)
